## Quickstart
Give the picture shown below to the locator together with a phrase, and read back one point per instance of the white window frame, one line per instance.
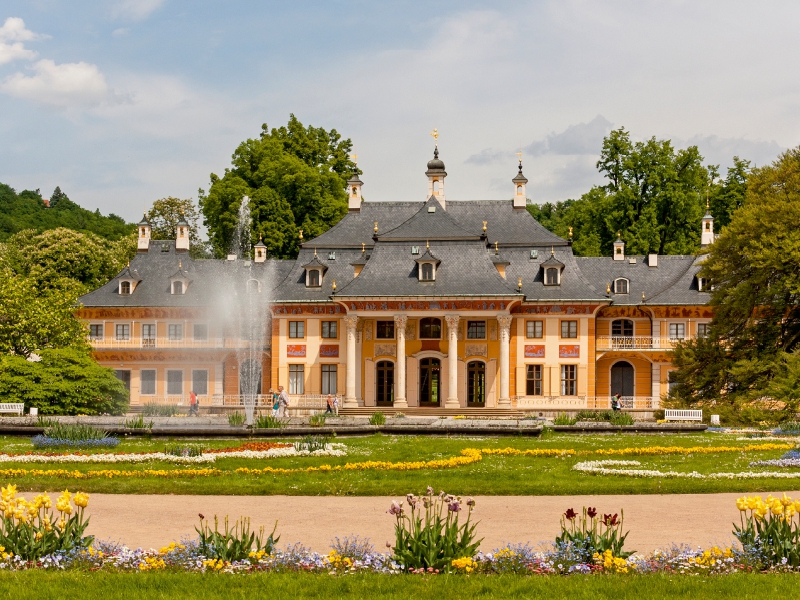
(675, 328)
(122, 332)
(171, 390)
(569, 323)
(175, 285)
(329, 325)
(330, 378)
(142, 382)
(547, 277)
(309, 282)
(619, 281)
(125, 288)
(299, 325)
(200, 338)
(194, 382)
(175, 332)
(569, 380)
(97, 327)
(534, 330)
(297, 379)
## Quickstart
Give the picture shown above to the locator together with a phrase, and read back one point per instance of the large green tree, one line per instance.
(754, 268)
(295, 178)
(655, 196)
(164, 216)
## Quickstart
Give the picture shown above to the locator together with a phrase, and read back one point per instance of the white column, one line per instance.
(400, 368)
(350, 322)
(655, 384)
(452, 361)
(504, 322)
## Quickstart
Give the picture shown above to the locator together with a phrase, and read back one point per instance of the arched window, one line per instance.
(355, 190)
(313, 278)
(384, 383)
(621, 286)
(125, 288)
(622, 378)
(519, 190)
(177, 287)
(551, 276)
(426, 270)
(430, 328)
(708, 226)
(435, 186)
(622, 328)
(476, 382)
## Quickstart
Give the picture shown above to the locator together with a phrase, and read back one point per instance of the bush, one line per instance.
(659, 414)
(621, 418)
(184, 451)
(789, 427)
(591, 534)
(377, 418)
(317, 420)
(312, 443)
(138, 422)
(431, 536)
(269, 422)
(770, 531)
(236, 419)
(564, 419)
(29, 530)
(152, 409)
(236, 543)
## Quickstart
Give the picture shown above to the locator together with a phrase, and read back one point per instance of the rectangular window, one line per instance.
(330, 329)
(148, 331)
(534, 329)
(533, 383)
(148, 382)
(569, 380)
(702, 330)
(124, 377)
(123, 332)
(476, 330)
(297, 381)
(329, 379)
(385, 330)
(671, 382)
(569, 329)
(200, 382)
(175, 332)
(297, 329)
(200, 332)
(677, 331)
(95, 332)
(174, 382)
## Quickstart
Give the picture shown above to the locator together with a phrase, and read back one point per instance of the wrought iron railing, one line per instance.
(637, 342)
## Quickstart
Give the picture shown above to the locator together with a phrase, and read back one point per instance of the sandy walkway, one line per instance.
(654, 521)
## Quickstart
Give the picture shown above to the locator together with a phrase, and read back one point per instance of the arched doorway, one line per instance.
(622, 376)
(429, 381)
(476, 383)
(250, 377)
(384, 383)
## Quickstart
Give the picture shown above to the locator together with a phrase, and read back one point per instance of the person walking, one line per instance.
(329, 407)
(283, 401)
(274, 395)
(336, 404)
(616, 402)
(194, 409)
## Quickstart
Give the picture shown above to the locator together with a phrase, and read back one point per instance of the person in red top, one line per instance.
(193, 406)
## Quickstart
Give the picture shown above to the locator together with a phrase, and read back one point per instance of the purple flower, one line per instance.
(429, 491)
(570, 514)
(454, 506)
(470, 502)
(395, 509)
(592, 512)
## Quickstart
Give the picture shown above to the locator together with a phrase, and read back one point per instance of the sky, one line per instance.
(122, 102)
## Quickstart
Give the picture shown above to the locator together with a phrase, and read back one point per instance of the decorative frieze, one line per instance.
(385, 350)
(476, 350)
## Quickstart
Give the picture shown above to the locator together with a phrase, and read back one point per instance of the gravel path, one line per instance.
(654, 521)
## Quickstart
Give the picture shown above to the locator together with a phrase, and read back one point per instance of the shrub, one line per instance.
(269, 422)
(564, 419)
(789, 427)
(185, 451)
(236, 419)
(430, 537)
(769, 529)
(235, 543)
(591, 534)
(138, 422)
(29, 530)
(659, 414)
(317, 420)
(152, 409)
(312, 443)
(377, 418)
(621, 418)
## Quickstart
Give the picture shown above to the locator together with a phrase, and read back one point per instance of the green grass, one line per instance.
(38, 585)
(494, 475)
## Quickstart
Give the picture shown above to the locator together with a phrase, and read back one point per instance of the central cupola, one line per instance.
(436, 173)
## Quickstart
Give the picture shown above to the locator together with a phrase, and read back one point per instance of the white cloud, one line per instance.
(66, 85)
(12, 34)
(583, 138)
(136, 10)
(120, 32)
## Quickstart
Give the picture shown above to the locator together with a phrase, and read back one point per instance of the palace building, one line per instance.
(426, 304)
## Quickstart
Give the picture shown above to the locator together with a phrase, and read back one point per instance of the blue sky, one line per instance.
(126, 101)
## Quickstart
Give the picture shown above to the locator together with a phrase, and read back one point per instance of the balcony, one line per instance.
(166, 343)
(637, 342)
(571, 403)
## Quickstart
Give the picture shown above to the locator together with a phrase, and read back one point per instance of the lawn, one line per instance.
(493, 475)
(37, 585)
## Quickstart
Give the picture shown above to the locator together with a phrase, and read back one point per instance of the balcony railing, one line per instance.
(299, 401)
(583, 402)
(635, 342)
(172, 343)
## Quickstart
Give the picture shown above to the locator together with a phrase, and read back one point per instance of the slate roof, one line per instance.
(293, 287)
(209, 278)
(431, 221)
(575, 285)
(672, 281)
(465, 270)
(505, 224)
(356, 226)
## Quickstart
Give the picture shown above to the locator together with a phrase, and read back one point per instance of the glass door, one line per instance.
(429, 381)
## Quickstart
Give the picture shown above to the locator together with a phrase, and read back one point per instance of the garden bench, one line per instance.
(12, 407)
(673, 414)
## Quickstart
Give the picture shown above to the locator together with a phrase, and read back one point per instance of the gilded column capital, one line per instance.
(452, 321)
(400, 322)
(505, 322)
(351, 322)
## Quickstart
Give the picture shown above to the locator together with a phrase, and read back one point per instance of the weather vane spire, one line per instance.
(435, 136)
(519, 156)
(355, 158)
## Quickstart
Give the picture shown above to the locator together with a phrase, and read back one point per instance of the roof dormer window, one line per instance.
(125, 288)
(313, 278)
(427, 271)
(253, 286)
(128, 280)
(426, 265)
(552, 276)
(621, 286)
(178, 289)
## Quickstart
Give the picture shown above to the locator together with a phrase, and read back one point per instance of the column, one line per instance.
(655, 385)
(452, 361)
(504, 322)
(400, 367)
(350, 323)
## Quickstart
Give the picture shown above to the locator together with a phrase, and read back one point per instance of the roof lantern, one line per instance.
(519, 181)
(619, 248)
(436, 173)
(354, 188)
(707, 233)
(143, 243)
(182, 235)
(260, 254)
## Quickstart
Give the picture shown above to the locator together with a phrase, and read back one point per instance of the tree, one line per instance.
(59, 198)
(754, 268)
(164, 216)
(295, 178)
(654, 196)
(63, 381)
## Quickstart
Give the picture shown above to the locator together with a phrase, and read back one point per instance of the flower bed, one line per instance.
(602, 467)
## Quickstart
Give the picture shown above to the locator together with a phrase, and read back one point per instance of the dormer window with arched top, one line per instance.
(125, 288)
(315, 271)
(426, 272)
(427, 265)
(621, 286)
(128, 280)
(178, 288)
(552, 276)
(313, 278)
(253, 286)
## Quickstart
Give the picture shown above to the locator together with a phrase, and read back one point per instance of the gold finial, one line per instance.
(619, 234)
(363, 247)
(484, 226)
(496, 248)
(260, 238)
(333, 286)
(519, 283)
(315, 252)
(519, 156)
(643, 297)
(707, 206)
(552, 251)
(427, 245)
(608, 288)
(180, 265)
(129, 264)
(301, 234)
(375, 228)
(570, 231)
(355, 158)
(435, 135)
